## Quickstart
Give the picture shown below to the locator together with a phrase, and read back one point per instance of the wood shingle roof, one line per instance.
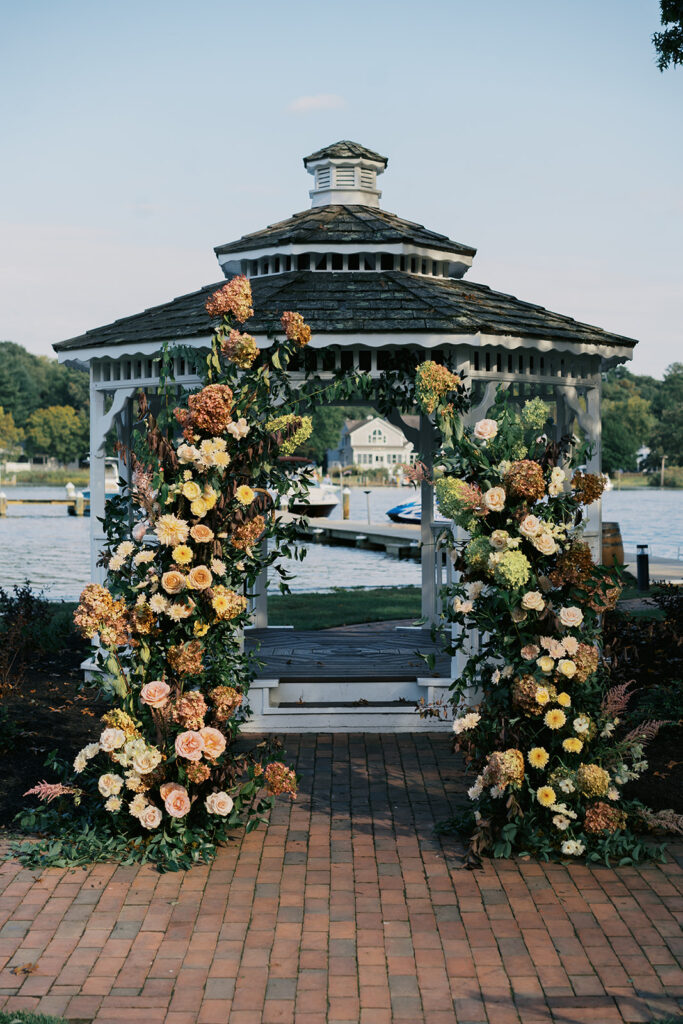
(354, 224)
(354, 303)
(345, 149)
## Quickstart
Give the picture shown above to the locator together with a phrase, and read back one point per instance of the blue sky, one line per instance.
(138, 135)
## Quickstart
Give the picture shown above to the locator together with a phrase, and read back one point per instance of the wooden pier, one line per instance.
(399, 539)
(78, 503)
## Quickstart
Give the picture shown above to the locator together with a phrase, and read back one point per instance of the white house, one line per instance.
(373, 442)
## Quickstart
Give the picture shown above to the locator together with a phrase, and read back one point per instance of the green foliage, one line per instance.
(58, 431)
(10, 435)
(26, 1017)
(627, 419)
(667, 436)
(327, 422)
(29, 382)
(668, 44)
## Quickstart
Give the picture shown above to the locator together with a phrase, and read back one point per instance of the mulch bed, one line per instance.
(49, 709)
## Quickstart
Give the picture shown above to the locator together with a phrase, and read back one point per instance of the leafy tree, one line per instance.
(327, 424)
(627, 420)
(58, 431)
(669, 43)
(667, 437)
(10, 435)
(29, 382)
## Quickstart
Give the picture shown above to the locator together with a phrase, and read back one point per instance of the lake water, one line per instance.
(43, 544)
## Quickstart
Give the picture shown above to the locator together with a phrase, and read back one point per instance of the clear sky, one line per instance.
(137, 134)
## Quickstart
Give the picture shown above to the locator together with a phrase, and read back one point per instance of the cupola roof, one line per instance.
(345, 149)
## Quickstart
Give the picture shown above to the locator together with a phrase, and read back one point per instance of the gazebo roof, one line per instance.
(343, 150)
(340, 224)
(349, 303)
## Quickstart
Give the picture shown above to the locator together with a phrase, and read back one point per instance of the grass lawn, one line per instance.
(25, 1017)
(344, 607)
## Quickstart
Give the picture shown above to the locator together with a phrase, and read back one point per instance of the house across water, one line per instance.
(373, 443)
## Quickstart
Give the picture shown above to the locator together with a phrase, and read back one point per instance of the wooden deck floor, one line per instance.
(347, 653)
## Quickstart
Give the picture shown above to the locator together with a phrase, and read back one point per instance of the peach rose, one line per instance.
(150, 817)
(167, 788)
(189, 745)
(494, 499)
(199, 578)
(201, 534)
(485, 430)
(173, 582)
(177, 803)
(545, 544)
(219, 803)
(155, 694)
(533, 601)
(214, 741)
(530, 526)
(571, 617)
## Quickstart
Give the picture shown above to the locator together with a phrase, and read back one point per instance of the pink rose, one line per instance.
(177, 803)
(155, 694)
(189, 745)
(168, 787)
(214, 742)
(150, 817)
(219, 803)
(485, 430)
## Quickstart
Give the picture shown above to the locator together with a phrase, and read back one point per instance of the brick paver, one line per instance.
(346, 909)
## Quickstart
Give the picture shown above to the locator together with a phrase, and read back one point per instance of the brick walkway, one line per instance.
(346, 909)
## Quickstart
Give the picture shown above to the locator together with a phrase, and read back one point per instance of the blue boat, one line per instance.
(411, 512)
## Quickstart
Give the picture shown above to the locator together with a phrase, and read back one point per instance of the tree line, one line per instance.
(44, 410)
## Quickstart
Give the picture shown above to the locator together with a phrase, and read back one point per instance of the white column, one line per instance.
(427, 518)
(259, 617)
(98, 432)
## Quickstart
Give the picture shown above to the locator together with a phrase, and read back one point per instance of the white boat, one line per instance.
(321, 500)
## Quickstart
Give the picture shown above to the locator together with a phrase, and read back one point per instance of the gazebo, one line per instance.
(369, 283)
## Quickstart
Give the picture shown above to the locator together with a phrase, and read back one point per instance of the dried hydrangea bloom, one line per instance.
(240, 349)
(198, 773)
(592, 780)
(244, 537)
(524, 479)
(234, 297)
(459, 500)
(186, 659)
(295, 328)
(226, 603)
(209, 410)
(99, 613)
(504, 767)
(144, 619)
(118, 719)
(602, 817)
(587, 486)
(280, 779)
(432, 383)
(525, 695)
(189, 710)
(574, 566)
(586, 660)
(226, 700)
(513, 569)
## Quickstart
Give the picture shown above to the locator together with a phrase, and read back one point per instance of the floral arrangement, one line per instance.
(164, 773)
(533, 712)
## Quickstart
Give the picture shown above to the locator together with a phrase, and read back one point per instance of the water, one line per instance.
(43, 544)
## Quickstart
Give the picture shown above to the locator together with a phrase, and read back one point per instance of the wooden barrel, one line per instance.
(612, 545)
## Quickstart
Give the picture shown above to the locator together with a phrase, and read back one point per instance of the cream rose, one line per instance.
(571, 617)
(173, 582)
(499, 540)
(189, 745)
(145, 761)
(110, 784)
(151, 817)
(191, 490)
(494, 499)
(219, 803)
(533, 601)
(112, 739)
(155, 694)
(545, 544)
(546, 664)
(199, 578)
(530, 526)
(214, 741)
(485, 430)
(566, 668)
(177, 802)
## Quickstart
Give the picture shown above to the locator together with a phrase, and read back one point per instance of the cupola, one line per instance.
(345, 174)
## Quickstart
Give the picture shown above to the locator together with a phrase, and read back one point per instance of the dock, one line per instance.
(402, 540)
(77, 504)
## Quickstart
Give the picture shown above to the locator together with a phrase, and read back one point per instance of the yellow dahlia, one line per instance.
(546, 796)
(245, 495)
(538, 757)
(572, 745)
(555, 718)
(182, 554)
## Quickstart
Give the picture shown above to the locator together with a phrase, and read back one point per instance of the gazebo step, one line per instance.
(334, 705)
